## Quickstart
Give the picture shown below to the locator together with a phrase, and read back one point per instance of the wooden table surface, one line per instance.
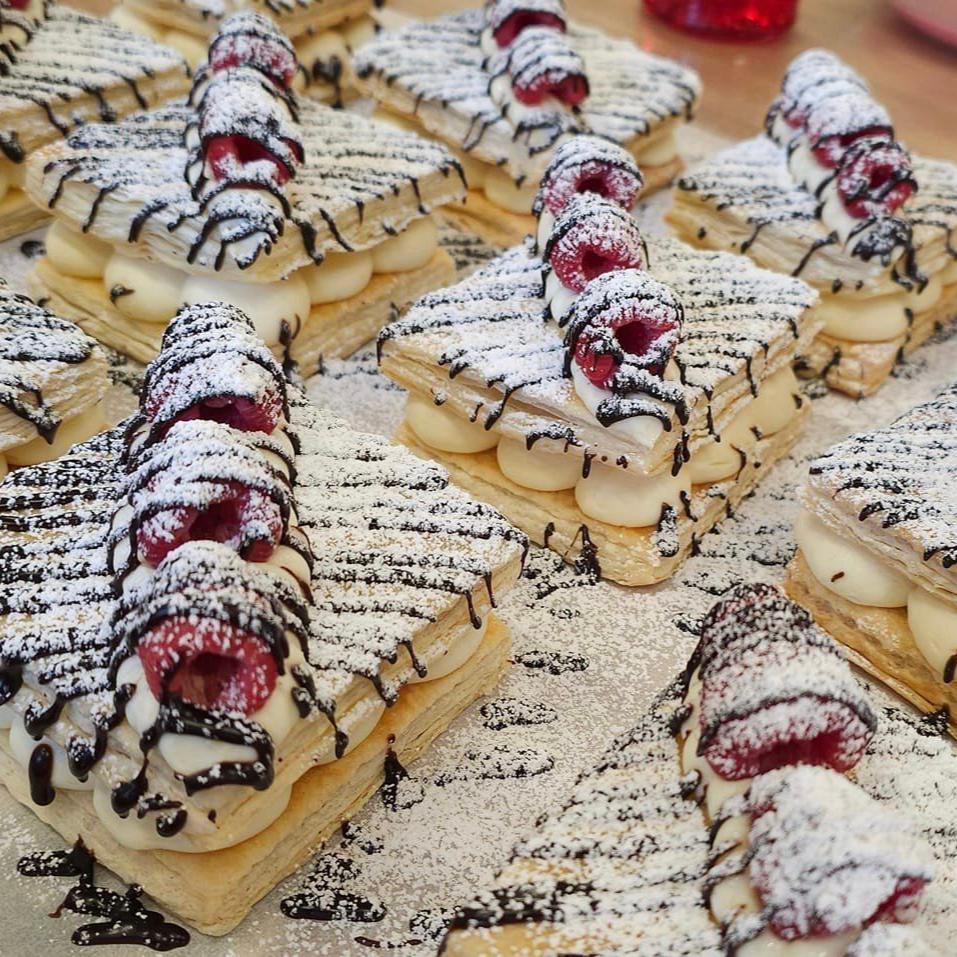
(916, 78)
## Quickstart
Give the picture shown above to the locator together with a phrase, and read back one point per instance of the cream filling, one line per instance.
(641, 429)
(441, 429)
(609, 493)
(879, 318)
(545, 467)
(769, 412)
(147, 291)
(78, 428)
(849, 569)
(858, 576)
(139, 833)
(558, 297)
(624, 497)
(22, 747)
(449, 655)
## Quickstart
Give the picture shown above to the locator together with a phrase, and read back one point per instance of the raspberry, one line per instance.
(775, 691)
(208, 663)
(264, 54)
(245, 519)
(593, 237)
(511, 27)
(227, 155)
(590, 164)
(238, 412)
(570, 89)
(875, 178)
(829, 150)
(623, 318)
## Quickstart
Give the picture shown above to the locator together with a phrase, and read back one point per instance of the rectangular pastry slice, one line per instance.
(504, 86)
(829, 195)
(877, 551)
(221, 617)
(52, 378)
(59, 70)
(314, 221)
(324, 33)
(612, 395)
(785, 855)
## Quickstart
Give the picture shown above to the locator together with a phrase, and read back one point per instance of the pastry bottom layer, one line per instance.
(213, 892)
(629, 556)
(861, 368)
(497, 226)
(333, 330)
(878, 640)
(18, 214)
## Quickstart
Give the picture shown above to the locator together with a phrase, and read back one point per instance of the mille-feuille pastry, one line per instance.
(829, 194)
(60, 69)
(877, 551)
(785, 856)
(313, 221)
(505, 85)
(219, 618)
(52, 379)
(324, 33)
(606, 391)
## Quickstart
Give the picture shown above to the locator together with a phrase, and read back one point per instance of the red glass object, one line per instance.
(728, 19)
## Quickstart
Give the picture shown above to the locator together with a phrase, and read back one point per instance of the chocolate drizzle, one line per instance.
(125, 918)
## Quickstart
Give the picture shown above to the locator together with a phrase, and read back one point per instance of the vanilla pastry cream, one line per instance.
(149, 291)
(856, 574)
(605, 491)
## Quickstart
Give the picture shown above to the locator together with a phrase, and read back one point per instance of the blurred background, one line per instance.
(914, 75)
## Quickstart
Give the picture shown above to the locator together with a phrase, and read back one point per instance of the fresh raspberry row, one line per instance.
(622, 324)
(210, 468)
(246, 134)
(840, 140)
(774, 701)
(535, 52)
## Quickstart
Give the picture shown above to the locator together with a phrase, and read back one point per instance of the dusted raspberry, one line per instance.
(825, 858)
(208, 663)
(589, 164)
(623, 321)
(875, 178)
(245, 519)
(215, 368)
(233, 157)
(508, 18)
(251, 40)
(543, 65)
(775, 690)
(593, 236)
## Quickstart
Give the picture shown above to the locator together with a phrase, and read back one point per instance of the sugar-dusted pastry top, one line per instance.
(71, 55)
(490, 331)
(895, 488)
(39, 354)
(749, 185)
(621, 863)
(442, 64)
(391, 548)
(206, 15)
(358, 184)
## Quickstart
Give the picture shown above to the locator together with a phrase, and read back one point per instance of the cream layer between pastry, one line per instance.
(325, 34)
(876, 556)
